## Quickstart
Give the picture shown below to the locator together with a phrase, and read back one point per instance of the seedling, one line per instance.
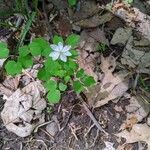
(72, 2)
(102, 47)
(60, 68)
(129, 2)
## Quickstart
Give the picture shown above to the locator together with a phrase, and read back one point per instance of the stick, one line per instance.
(91, 115)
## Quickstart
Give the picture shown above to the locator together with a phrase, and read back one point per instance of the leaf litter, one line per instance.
(22, 110)
(113, 87)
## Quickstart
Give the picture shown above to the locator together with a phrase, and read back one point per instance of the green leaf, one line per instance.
(50, 85)
(60, 73)
(41, 42)
(67, 79)
(62, 87)
(74, 53)
(35, 49)
(24, 51)
(77, 86)
(80, 73)
(73, 65)
(69, 71)
(43, 74)
(46, 52)
(26, 28)
(26, 61)
(4, 52)
(52, 66)
(72, 2)
(73, 40)
(13, 67)
(54, 96)
(57, 39)
(38, 45)
(88, 81)
(128, 1)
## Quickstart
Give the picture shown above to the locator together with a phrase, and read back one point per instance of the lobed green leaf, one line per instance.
(13, 68)
(73, 40)
(50, 85)
(62, 87)
(4, 51)
(54, 96)
(57, 39)
(78, 86)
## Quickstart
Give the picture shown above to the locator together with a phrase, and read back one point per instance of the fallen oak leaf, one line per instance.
(139, 132)
(112, 86)
(117, 92)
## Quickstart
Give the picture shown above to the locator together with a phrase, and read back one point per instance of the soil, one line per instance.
(75, 116)
(78, 132)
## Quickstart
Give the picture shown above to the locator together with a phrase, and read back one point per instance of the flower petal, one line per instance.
(60, 46)
(54, 47)
(66, 48)
(63, 58)
(67, 53)
(54, 55)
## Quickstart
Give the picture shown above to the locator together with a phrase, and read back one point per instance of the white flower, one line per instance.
(60, 52)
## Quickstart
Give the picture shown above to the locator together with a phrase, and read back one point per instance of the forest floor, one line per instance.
(114, 49)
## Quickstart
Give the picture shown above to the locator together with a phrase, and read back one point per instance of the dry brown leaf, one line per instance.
(116, 92)
(143, 25)
(135, 18)
(9, 85)
(23, 109)
(137, 108)
(129, 123)
(112, 86)
(110, 80)
(87, 9)
(125, 147)
(95, 21)
(139, 132)
(136, 56)
(88, 50)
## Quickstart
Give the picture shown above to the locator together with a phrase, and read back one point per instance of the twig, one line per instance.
(41, 142)
(21, 146)
(73, 130)
(43, 124)
(28, 74)
(89, 130)
(47, 133)
(93, 118)
(91, 115)
(95, 139)
(70, 113)
(136, 81)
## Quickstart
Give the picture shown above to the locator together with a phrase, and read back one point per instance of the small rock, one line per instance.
(121, 36)
(52, 128)
(109, 146)
(76, 28)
